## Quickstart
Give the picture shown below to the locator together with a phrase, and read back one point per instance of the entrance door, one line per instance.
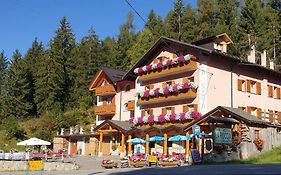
(73, 147)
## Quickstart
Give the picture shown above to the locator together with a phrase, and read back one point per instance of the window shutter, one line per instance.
(258, 84)
(270, 91)
(279, 117)
(164, 85)
(195, 107)
(259, 113)
(151, 86)
(249, 109)
(185, 80)
(278, 93)
(151, 112)
(239, 85)
(270, 115)
(185, 108)
(173, 110)
(240, 107)
(164, 111)
(248, 85)
(142, 113)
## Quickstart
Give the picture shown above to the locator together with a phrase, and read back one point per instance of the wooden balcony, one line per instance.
(181, 68)
(107, 109)
(131, 105)
(105, 90)
(190, 94)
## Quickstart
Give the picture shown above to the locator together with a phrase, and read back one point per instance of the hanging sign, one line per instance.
(223, 136)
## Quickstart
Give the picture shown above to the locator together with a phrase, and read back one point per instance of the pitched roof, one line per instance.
(121, 125)
(238, 114)
(114, 75)
(223, 36)
(168, 42)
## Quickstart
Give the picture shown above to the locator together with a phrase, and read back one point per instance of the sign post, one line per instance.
(223, 136)
(35, 165)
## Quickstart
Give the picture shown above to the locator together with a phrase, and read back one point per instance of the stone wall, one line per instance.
(48, 166)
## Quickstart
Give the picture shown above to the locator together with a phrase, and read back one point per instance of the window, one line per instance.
(131, 114)
(242, 85)
(276, 93)
(99, 99)
(242, 108)
(257, 134)
(270, 91)
(146, 112)
(169, 110)
(254, 111)
(109, 100)
(128, 88)
(253, 87)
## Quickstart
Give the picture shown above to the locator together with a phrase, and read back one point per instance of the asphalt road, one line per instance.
(228, 169)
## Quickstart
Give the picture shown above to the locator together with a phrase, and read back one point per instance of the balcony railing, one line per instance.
(131, 105)
(107, 109)
(105, 90)
(191, 66)
(190, 94)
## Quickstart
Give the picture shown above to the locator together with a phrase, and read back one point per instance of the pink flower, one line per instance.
(161, 118)
(131, 120)
(173, 116)
(166, 91)
(156, 91)
(195, 115)
(182, 116)
(149, 67)
(175, 88)
(185, 85)
(146, 94)
(140, 71)
(151, 120)
(169, 62)
(140, 120)
(181, 59)
(159, 65)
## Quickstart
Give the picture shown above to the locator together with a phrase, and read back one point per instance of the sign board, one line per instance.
(35, 165)
(223, 136)
(196, 129)
(195, 155)
(152, 159)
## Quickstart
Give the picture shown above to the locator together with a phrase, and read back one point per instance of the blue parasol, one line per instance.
(155, 139)
(177, 138)
(135, 140)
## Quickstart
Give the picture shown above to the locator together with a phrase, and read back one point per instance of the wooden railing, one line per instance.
(105, 90)
(181, 68)
(190, 94)
(131, 105)
(107, 109)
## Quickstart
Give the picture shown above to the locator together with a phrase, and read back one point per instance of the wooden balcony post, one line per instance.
(165, 144)
(129, 145)
(147, 145)
(100, 143)
(122, 143)
(187, 145)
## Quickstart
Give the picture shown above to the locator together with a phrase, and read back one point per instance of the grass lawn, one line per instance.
(273, 156)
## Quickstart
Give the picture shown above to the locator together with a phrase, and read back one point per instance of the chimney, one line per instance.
(252, 55)
(263, 58)
(271, 64)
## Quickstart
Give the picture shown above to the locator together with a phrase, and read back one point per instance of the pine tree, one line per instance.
(206, 18)
(125, 40)
(189, 24)
(3, 71)
(155, 24)
(18, 90)
(109, 52)
(173, 21)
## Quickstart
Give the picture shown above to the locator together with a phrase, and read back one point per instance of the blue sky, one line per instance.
(23, 20)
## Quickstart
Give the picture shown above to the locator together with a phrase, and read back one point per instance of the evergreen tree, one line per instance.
(3, 70)
(189, 24)
(155, 24)
(206, 18)
(173, 21)
(109, 52)
(17, 102)
(125, 40)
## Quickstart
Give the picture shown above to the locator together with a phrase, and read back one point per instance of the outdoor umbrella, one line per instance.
(135, 140)
(155, 139)
(33, 142)
(189, 137)
(177, 138)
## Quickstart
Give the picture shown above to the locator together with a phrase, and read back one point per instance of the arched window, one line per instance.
(128, 88)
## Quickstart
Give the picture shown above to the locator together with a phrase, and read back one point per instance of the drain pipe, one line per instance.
(120, 104)
(231, 86)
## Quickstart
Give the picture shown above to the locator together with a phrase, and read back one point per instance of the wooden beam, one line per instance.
(187, 145)
(165, 144)
(108, 130)
(122, 143)
(101, 141)
(147, 145)
(129, 145)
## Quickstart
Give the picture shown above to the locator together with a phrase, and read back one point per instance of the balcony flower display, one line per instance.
(160, 65)
(173, 117)
(161, 118)
(131, 120)
(166, 91)
(151, 119)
